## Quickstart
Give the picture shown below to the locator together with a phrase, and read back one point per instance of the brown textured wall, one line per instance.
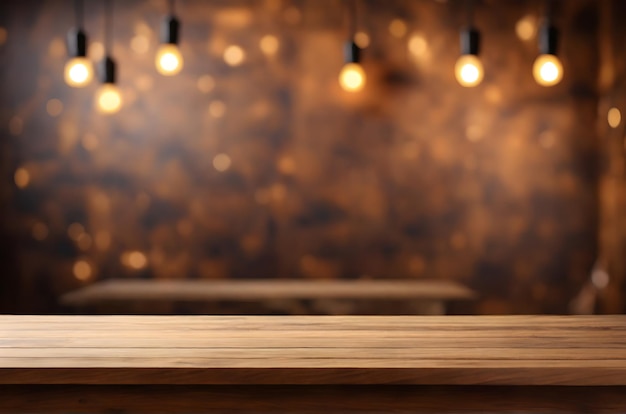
(415, 177)
(613, 143)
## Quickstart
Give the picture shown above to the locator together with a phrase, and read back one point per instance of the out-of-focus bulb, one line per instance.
(547, 70)
(78, 72)
(108, 98)
(469, 70)
(168, 60)
(352, 77)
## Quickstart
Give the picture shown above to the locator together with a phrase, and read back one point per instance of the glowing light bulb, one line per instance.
(168, 60)
(78, 72)
(547, 70)
(108, 98)
(469, 70)
(352, 77)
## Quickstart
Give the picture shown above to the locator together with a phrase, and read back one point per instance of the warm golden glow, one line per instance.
(3, 35)
(418, 45)
(469, 71)
(234, 55)
(269, 45)
(397, 28)
(547, 70)
(108, 98)
(78, 72)
(221, 162)
(352, 77)
(82, 270)
(526, 27)
(614, 117)
(217, 109)
(362, 39)
(21, 177)
(168, 60)
(135, 259)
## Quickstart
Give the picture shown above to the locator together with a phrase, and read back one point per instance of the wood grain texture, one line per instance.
(450, 350)
(259, 290)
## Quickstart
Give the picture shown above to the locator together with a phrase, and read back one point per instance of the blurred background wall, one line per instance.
(253, 163)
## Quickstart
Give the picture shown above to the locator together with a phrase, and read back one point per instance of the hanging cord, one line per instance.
(353, 15)
(170, 5)
(79, 14)
(469, 13)
(108, 26)
(549, 12)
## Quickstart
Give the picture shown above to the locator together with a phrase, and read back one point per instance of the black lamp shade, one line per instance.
(470, 41)
(170, 30)
(77, 43)
(108, 69)
(548, 40)
(352, 53)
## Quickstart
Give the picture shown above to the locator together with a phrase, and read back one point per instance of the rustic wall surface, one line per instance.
(612, 257)
(252, 162)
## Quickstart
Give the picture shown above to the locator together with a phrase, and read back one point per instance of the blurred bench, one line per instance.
(312, 364)
(429, 297)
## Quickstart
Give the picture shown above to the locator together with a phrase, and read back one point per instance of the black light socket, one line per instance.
(470, 41)
(352, 53)
(548, 40)
(170, 30)
(108, 70)
(77, 43)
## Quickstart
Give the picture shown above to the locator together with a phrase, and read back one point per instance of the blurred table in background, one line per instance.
(273, 296)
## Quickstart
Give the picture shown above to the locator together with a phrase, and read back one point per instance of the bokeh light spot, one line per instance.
(397, 28)
(221, 162)
(362, 39)
(614, 117)
(217, 109)
(526, 27)
(82, 270)
(21, 177)
(234, 55)
(269, 45)
(54, 107)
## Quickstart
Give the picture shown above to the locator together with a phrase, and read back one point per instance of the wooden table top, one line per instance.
(451, 350)
(268, 289)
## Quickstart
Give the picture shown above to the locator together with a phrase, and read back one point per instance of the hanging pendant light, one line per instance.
(548, 69)
(469, 70)
(78, 69)
(168, 59)
(352, 76)
(108, 96)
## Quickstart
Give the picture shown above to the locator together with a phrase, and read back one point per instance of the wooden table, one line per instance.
(312, 364)
(421, 296)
